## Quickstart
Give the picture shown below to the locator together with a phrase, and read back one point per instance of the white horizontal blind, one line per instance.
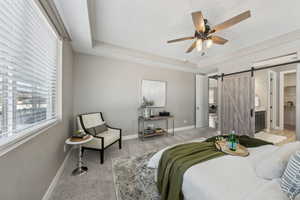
(28, 67)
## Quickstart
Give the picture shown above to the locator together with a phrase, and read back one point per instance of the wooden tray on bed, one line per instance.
(240, 150)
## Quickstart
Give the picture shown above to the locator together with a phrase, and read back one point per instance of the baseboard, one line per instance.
(130, 137)
(56, 177)
(182, 128)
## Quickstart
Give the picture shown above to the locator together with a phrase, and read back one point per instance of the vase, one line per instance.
(146, 113)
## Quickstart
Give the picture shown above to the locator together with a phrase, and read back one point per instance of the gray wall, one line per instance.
(27, 171)
(113, 87)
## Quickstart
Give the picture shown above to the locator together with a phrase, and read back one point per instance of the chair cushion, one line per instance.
(290, 181)
(109, 138)
(97, 130)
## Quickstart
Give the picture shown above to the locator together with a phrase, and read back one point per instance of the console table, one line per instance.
(142, 122)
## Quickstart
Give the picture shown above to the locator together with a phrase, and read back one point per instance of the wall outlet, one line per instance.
(184, 121)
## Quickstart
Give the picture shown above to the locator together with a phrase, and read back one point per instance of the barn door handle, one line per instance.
(251, 112)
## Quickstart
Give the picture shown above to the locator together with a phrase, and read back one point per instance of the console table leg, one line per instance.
(173, 127)
(167, 127)
(143, 131)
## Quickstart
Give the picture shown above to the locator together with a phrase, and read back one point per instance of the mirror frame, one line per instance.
(141, 99)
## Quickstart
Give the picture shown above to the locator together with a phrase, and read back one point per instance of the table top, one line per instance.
(80, 141)
(156, 118)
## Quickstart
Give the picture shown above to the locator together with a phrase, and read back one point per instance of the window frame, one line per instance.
(11, 142)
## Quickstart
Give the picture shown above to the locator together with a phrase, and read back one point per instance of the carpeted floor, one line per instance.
(133, 179)
(98, 183)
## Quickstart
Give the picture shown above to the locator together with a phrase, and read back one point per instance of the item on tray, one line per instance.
(232, 141)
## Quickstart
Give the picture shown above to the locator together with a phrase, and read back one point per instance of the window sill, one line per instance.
(12, 142)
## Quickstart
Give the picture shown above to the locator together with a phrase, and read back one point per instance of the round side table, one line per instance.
(78, 142)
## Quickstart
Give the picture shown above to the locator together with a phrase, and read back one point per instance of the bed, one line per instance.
(229, 177)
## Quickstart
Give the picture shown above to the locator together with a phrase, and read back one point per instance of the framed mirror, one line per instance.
(154, 92)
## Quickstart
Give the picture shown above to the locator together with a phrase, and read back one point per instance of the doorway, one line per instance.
(213, 103)
(275, 104)
(288, 100)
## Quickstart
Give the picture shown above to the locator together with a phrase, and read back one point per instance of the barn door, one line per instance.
(237, 104)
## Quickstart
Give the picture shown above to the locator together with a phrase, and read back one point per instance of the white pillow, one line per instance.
(269, 191)
(274, 164)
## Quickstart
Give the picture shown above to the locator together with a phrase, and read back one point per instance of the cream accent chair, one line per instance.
(101, 141)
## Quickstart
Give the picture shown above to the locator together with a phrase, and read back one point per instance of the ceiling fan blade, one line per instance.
(198, 21)
(192, 47)
(218, 40)
(181, 39)
(231, 21)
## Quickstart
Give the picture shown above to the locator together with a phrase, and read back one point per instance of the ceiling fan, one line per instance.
(203, 32)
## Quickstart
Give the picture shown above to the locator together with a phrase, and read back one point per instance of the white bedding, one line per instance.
(228, 178)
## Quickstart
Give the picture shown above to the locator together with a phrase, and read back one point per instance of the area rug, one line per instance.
(275, 139)
(133, 179)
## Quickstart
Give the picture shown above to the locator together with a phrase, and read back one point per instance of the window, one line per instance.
(28, 68)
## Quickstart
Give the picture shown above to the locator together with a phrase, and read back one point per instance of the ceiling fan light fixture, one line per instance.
(203, 38)
(199, 45)
(209, 43)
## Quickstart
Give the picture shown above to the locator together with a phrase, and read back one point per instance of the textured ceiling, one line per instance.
(147, 25)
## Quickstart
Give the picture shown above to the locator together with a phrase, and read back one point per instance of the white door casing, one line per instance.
(272, 101)
(281, 104)
(201, 101)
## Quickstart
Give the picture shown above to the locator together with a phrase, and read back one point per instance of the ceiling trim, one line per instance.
(262, 46)
(81, 30)
(116, 52)
(91, 11)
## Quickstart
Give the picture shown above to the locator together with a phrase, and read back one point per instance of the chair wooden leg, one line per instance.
(101, 156)
(120, 144)
(82, 151)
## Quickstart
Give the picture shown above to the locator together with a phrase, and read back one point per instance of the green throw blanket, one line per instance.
(176, 160)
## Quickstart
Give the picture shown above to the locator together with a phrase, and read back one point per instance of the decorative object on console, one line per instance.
(149, 130)
(159, 130)
(145, 107)
(164, 113)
